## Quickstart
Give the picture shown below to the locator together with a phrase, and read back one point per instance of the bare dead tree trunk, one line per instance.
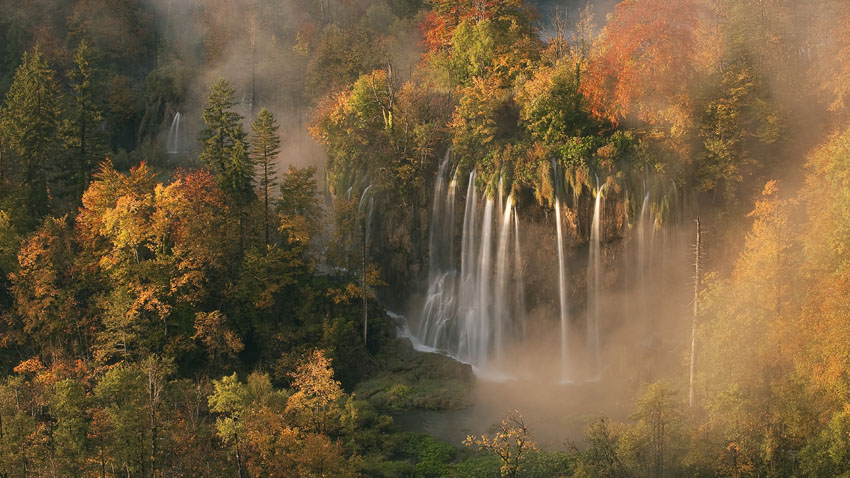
(691, 398)
(253, 31)
(239, 473)
(155, 387)
(363, 290)
(2, 165)
(659, 441)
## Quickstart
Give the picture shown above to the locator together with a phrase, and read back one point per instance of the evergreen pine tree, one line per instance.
(265, 149)
(239, 184)
(81, 131)
(30, 123)
(223, 128)
(225, 150)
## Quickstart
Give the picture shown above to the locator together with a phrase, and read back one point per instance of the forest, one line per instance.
(424, 238)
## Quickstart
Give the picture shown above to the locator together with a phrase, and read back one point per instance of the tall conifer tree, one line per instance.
(265, 149)
(226, 148)
(223, 128)
(81, 131)
(30, 123)
(239, 184)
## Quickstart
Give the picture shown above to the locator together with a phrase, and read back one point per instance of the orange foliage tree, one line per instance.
(835, 72)
(44, 290)
(158, 246)
(647, 61)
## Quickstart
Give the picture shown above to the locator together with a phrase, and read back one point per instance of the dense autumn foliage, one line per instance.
(649, 59)
(211, 302)
(446, 15)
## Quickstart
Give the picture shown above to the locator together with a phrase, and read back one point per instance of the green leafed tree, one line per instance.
(299, 211)
(70, 435)
(121, 420)
(29, 125)
(22, 444)
(230, 402)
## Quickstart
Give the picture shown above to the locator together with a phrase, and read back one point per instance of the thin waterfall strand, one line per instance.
(594, 266)
(562, 295)
(173, 144)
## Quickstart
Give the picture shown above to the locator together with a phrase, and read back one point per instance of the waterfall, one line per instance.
(470, 312)
(562, 294)
(477, 327)
(594, 265)
(467, 261)
(440, 299)
(366, 208)
(519, 304)
(467, 289)
(475, 306)
(442, 212)
(449, 224)
(642, 257)
(174, 144)
(502, 304)
(643, 223)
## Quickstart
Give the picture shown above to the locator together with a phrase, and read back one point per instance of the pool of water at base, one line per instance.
(557, 414)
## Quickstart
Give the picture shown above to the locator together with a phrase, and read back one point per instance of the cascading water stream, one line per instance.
(643, 223)
(562, 295)
(594, 266)
(440, 303)
(502, 305)
(467, 289)
(478, 329)
(644, 228)
(173, 145)
(469, 313)
(519, 304)
(467, 254)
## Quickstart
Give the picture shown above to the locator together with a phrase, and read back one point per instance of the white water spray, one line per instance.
(173, 146)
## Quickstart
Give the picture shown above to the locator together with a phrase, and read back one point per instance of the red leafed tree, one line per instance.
(440, 22)
(647, 59)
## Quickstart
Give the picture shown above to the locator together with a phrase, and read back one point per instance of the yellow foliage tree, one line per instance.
(314, 404)
(511, 443)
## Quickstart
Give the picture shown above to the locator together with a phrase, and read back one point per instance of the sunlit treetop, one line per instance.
(647, 58)
(446, 15)
(480, 38)
(836, 73)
